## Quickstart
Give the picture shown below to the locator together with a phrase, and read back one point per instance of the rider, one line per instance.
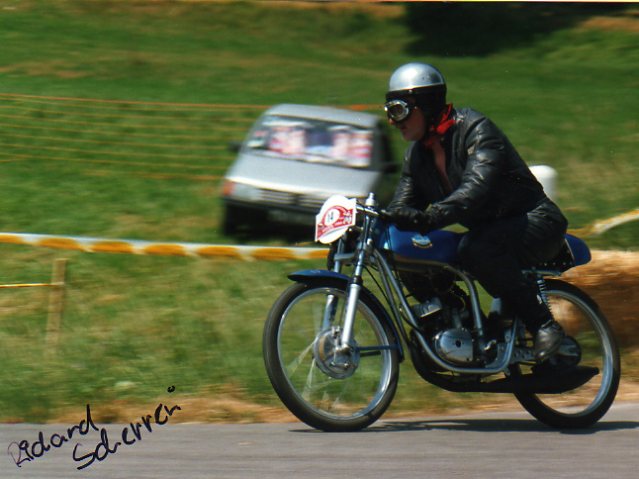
(460, 168)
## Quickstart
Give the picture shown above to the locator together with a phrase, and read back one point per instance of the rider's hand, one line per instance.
(412, 219)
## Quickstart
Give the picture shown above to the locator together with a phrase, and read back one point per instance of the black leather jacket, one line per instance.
(488, 177)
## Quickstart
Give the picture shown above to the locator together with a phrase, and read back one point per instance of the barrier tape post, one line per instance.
(56, 304)
(55, 307)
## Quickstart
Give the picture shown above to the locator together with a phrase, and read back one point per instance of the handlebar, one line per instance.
(374, 212)
(385, 215)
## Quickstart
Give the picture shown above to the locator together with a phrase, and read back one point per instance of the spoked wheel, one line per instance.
(590, 344)
(327, 388)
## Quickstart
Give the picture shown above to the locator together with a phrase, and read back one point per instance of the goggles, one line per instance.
(398, 110)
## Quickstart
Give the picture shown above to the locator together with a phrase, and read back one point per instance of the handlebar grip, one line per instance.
(385, 215)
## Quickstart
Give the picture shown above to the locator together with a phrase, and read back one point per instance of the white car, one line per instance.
(296, 156)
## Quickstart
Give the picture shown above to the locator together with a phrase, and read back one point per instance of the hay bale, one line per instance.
(612, 280)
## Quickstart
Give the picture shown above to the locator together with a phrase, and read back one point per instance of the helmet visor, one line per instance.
(398, 110)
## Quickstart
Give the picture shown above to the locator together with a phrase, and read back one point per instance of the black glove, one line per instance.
(411, 219)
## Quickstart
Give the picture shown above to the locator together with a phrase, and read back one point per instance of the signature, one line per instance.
(28, 452)
(129, 435)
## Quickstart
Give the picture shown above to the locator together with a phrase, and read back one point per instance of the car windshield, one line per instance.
(316, 141)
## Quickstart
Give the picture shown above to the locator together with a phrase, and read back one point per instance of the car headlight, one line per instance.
(241, 191)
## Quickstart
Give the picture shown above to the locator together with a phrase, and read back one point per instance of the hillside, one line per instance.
(114, 123)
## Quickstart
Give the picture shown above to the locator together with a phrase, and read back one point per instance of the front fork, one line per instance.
(331, 300)
(352, 297)
(353, 290)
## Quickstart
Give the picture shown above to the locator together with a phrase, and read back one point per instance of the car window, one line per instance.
(316, 141)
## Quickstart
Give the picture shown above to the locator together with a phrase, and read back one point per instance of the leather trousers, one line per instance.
(496, 252)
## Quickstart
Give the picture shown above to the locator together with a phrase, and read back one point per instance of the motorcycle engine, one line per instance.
(428, 283)
(449, 330)
(455, 345)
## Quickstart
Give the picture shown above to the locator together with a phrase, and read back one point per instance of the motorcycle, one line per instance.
(332, 345)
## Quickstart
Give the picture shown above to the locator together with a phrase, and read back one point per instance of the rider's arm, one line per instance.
(485, 149)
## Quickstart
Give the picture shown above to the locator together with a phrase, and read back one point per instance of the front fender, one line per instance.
(310, 275)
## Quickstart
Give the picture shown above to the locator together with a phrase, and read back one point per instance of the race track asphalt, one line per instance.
(506, 445)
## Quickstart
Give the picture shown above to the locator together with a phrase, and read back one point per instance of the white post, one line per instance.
(547, 176)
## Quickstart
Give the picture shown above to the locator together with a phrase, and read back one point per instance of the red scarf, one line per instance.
(433, 142)
(441, 126)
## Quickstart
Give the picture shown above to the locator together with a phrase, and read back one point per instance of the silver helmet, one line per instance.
(422, 83)
(412, 77)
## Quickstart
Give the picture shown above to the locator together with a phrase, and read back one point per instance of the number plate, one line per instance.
(336, 216)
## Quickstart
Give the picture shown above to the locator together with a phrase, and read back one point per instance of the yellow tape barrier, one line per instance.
(163, 104)
(601, 226)
(99, 245)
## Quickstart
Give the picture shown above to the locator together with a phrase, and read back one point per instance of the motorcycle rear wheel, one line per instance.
(328, 390)
(582, 320)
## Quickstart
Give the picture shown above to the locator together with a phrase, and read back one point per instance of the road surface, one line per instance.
(507, 445)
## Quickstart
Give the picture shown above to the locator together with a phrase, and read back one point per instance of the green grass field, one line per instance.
(114, 123)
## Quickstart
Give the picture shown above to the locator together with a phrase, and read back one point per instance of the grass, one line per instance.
(147, 164)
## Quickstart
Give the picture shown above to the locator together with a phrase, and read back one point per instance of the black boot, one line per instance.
(548, 340)
(547, 332)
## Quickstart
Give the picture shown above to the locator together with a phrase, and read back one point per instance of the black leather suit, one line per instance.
(511, 222)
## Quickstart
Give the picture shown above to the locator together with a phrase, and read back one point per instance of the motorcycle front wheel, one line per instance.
(592, 345)
(324, 387)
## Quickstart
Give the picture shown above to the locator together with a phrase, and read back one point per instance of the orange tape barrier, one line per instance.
(99, 245)
(601, 226)
(18, 96)
(241, 252)
(224, 106)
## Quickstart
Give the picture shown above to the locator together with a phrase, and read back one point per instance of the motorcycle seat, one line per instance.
(574, 252)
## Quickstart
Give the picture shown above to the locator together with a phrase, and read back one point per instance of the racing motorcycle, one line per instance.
(332, 344)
